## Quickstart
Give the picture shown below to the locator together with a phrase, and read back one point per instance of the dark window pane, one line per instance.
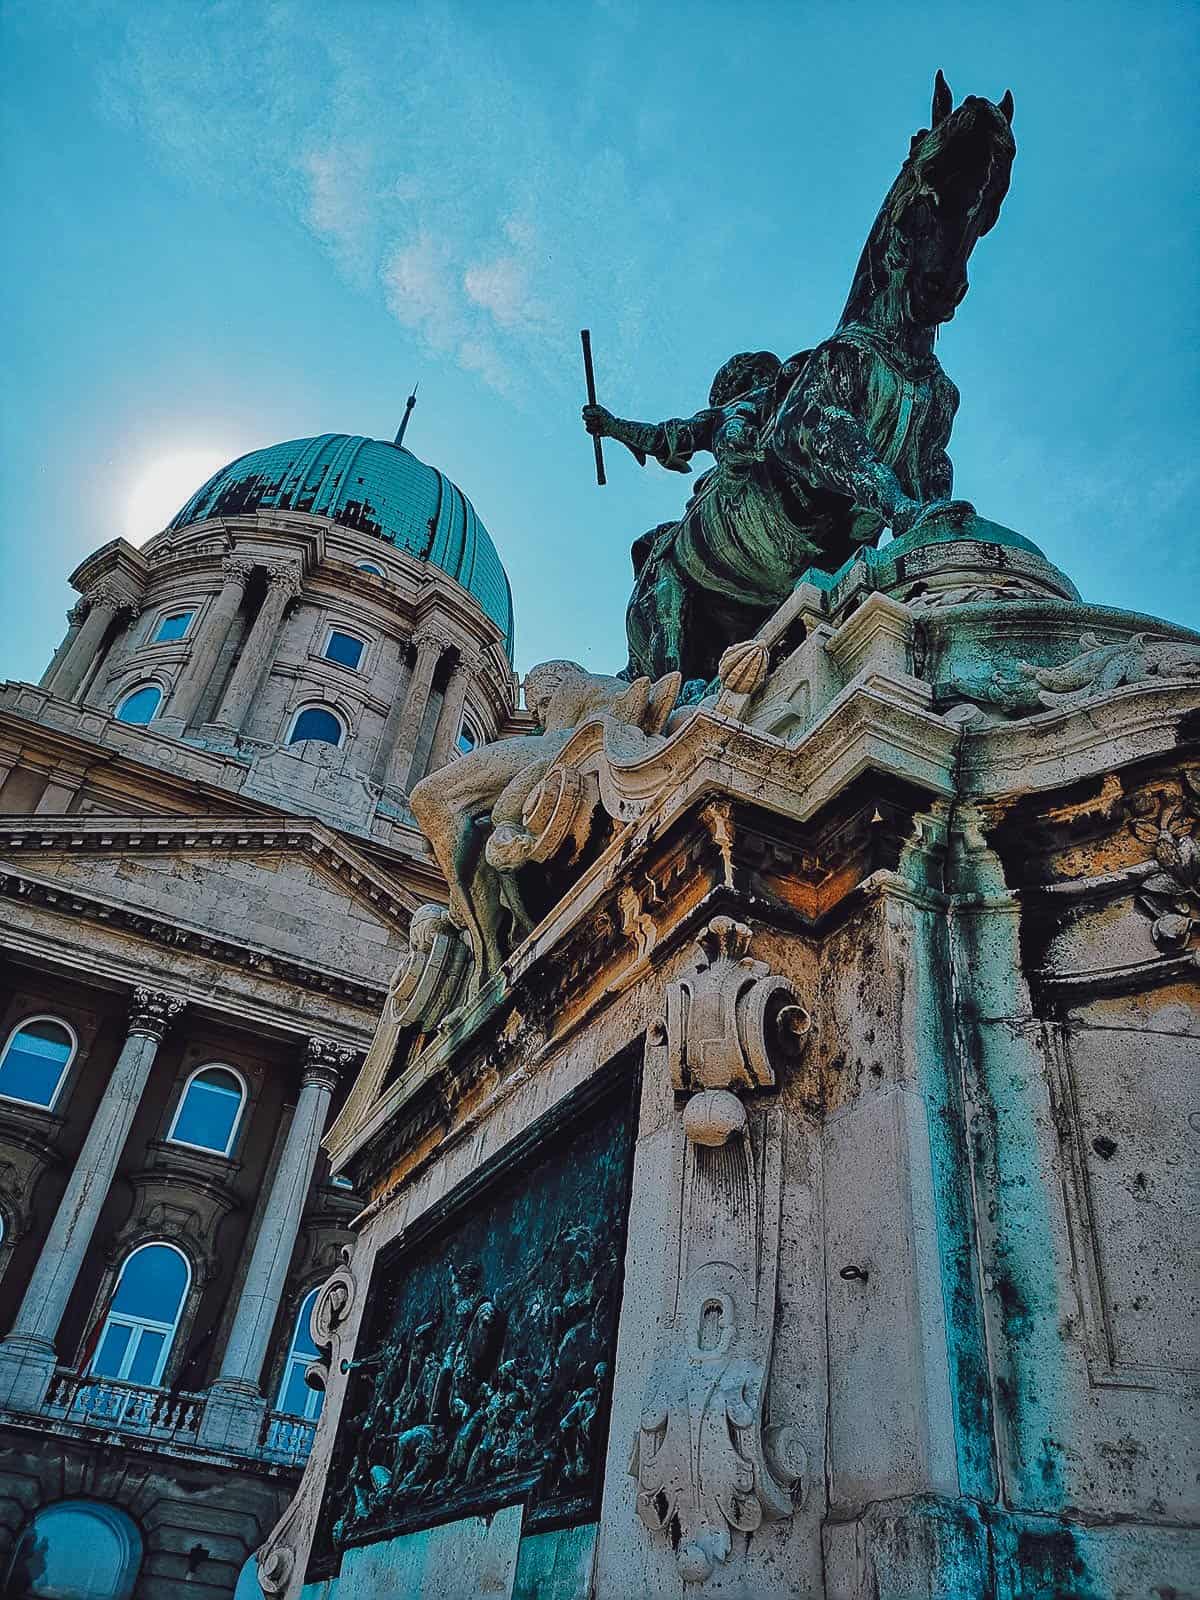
(112, 1350)
(152, 1284)
(140, 706)
(209, 1110)
(33, 1062)
(315, 723)
(345, 648)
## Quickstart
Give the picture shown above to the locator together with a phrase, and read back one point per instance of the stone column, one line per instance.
(235, 1408)
(105, 602)
(27, 1355)
(283, 585)
(75, 618)
(445, 737)
(236, 572)
(430, 646)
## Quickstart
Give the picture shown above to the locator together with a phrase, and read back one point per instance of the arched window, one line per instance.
(468, 739)
(295, 1397)
(35, 1061)
(140, 705)
(369, 566)
(316, 722)
(209, 1110)
(77, 1548)
(139, 1329)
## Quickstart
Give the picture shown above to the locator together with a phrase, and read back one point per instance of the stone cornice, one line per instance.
(345, 866)
(16, 883)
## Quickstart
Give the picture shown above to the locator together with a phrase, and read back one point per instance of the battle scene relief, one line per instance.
(484, 1369)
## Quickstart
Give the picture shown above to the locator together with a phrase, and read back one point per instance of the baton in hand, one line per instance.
(585, 339)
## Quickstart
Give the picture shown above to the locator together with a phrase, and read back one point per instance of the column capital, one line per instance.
(282, 576)
(469, 664)
(77, 613)
(237, 569)
(152, 1012)
(325, 1060)
(105, 593)
(429, 639)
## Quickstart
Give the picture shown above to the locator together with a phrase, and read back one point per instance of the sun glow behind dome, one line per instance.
(163, 483)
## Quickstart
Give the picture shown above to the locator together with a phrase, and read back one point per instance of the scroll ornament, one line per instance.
(280, 1554)
(708, 1462)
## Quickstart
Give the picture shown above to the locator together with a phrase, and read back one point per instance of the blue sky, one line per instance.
(230, 223)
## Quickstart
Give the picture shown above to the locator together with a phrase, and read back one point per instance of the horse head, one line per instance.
(913, 268)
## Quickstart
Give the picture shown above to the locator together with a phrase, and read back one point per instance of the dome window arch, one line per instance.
(318, 723)
(142, 1318)
(79, 1547)
(468, 737)
(210, 1109)
(295, 1398)
(35, 1060)
(369, 566)
(173, 625)
(345, 648)
(140, 705)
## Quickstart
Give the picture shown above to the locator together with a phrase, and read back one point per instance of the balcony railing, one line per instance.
(288, 1440)
(126, 1407)
(163, 1414)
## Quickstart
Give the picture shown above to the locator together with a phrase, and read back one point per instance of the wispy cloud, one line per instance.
(418, 161)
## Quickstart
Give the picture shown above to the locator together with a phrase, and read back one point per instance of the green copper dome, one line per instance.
(374, 487)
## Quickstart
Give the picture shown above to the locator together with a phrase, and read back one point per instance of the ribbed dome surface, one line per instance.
(374, 487)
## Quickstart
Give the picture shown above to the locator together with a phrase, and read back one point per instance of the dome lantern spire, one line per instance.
(408, 411)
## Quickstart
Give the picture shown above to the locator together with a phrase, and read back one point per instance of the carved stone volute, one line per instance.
(709, 1464)
(282, 1552)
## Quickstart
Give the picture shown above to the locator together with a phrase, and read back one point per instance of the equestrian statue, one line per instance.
(816, 455)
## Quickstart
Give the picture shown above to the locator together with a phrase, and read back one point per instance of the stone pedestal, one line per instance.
(897, 935)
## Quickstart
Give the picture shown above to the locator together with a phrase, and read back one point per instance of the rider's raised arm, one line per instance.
(671, 443)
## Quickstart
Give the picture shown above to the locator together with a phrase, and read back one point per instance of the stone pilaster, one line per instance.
(27, 1355)
(283, 585)
(430, 646)
(445, 737)
(236, 572)
(236, 1408)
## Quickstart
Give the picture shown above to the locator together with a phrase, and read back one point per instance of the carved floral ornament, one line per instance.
(1167, 822)
(279, 1556)
(709, 1463)
(1097, 669)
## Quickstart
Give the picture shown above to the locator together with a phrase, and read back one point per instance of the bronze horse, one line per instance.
(815, 456)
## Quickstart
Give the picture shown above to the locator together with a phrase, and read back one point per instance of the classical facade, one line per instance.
(208, 868)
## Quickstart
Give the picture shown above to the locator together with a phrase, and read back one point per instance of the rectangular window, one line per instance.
(174, 626)
(344, 648)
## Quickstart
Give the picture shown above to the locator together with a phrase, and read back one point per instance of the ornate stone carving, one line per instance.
(282, 576)
(105, 593)
(77, 613)
(428, 983)
(743, 668)
(1101, 667)
(1170, 896)
(709, 1463)
(153, 1013)
(278, 1558)
(500, 802)
(325, 1060)
(237, 569)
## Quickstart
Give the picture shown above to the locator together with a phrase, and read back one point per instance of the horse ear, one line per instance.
(943, 99)
(1006, 107)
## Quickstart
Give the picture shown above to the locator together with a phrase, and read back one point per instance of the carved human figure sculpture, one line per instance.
(815, 456)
